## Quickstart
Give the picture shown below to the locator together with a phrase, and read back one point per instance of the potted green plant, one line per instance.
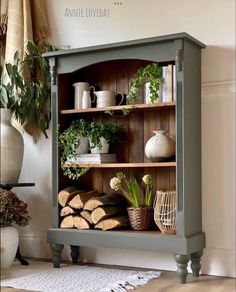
(25, 95)
(70, 140)
(140, 211)
(25, 88)
(13, 213)
(151, 75)
(101, 134)
(73, 141)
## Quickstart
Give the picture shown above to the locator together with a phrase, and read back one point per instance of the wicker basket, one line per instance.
(140, 218)
(165, 211)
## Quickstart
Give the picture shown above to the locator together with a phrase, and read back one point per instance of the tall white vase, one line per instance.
(12, 148)
(9, 243)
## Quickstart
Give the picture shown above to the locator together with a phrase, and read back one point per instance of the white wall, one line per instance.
(213, 23)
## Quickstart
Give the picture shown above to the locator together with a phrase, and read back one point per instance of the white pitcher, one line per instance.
(107, 98)
(80, 87)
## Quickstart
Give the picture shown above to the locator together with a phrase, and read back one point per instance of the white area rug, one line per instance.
(78, 279)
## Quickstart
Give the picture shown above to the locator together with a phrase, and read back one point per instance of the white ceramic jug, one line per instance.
(80, 87)
(107, 98)
(86, 99)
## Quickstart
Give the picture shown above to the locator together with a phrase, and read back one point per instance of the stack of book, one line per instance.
(168, 92)
(96, 158)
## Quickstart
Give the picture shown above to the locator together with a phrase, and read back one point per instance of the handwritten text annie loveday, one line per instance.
(87, 12)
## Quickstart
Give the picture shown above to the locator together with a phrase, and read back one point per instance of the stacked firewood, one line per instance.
(90, 209)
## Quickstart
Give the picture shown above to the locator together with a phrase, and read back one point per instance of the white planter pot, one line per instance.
(147, 94)
(104, 149)
(83, 147)
(12, 148)
(159, 147)
(9, 244)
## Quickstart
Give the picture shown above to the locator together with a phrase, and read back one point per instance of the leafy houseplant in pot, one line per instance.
(102, 134)
(27, 100)
(13, 212)
(26, 95)
(147, 79)
(150, 77)
(140, 211)
(73, 141)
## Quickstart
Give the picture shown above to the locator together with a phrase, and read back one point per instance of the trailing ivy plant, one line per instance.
(25, 87)
(69, 141)
(152, 73)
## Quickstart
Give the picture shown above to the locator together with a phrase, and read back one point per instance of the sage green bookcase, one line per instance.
(111, 66)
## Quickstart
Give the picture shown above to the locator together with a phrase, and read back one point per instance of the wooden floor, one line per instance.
(168, 283)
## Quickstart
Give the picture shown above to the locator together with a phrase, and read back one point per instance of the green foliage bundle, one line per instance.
(69, 141)
(25, 89)
(13, 211)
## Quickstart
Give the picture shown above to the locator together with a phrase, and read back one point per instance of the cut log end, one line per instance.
(105, 212)
(67, 222)
(107, 199)
(80, 222)
(80, 199)
(113, 223)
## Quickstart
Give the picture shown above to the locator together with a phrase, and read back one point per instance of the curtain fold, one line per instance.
(26, 21)
(3, 27)
(22, 21)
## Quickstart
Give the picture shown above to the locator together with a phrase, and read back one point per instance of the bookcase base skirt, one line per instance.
(185, 249)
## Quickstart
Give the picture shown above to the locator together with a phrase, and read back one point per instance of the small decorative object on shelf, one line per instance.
(165, 211)
(107, 98)
(141, 212)
(80, 87)
(159, 147)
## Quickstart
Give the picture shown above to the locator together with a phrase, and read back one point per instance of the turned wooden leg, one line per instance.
(56, 254)
(196, 262)
(182, 263)
(74, 253)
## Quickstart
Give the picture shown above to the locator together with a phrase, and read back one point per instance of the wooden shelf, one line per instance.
(126, 165)
(136, 107)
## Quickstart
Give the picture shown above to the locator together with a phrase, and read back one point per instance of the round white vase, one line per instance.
(12, 148)
(9, 245)
(159, 147)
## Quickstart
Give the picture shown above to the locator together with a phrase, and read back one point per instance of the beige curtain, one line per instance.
(21, 21)
(26, 21)
(3, 27)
